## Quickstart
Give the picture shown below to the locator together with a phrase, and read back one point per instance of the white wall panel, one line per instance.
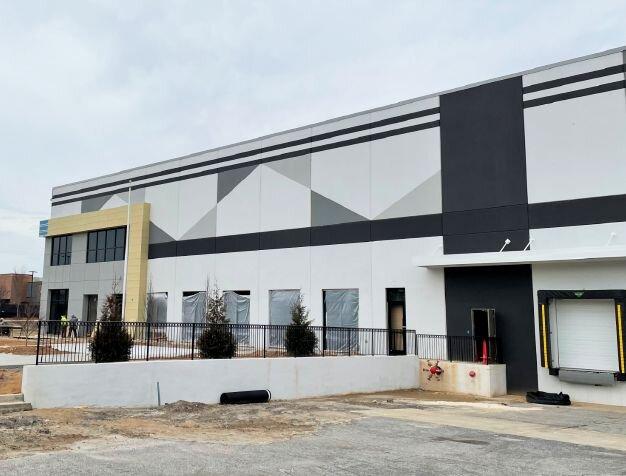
(576, 148)
(407, 108)
(284, 202)
(571, 69)
(240, 271)
(239, 211)
(284, 269)
(424, 288)
(343, 175)
(346, 266)
(196, 198)
(579, 236)
(163, 200)
(400, 164)
(162, 277)
(64, 210)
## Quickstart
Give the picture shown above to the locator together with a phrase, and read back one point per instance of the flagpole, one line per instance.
(126, 252)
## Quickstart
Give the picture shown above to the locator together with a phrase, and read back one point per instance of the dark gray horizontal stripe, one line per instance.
(511, 217)
(583, 211)
(250, 153)
(602, 88)
(485, 242)
(357, 232)
(286, 155)
(555, 83)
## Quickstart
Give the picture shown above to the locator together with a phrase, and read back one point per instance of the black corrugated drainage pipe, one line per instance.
(249, 396)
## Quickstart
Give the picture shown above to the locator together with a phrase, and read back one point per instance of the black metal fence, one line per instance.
(66, 343)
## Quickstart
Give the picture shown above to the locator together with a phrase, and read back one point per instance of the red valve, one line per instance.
(435, 370)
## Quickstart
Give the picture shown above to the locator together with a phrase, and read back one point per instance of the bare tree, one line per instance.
(111, 309)
(214, 306)
(30, 312)
(150, 312)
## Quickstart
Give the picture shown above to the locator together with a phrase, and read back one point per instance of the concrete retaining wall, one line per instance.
(135, 383)
(488, 380)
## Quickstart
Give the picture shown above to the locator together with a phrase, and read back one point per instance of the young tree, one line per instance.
(216, 340)
(111, 342)
(300, 340)
(29, 324)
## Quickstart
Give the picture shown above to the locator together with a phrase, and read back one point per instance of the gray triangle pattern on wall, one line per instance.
(297, 169)
(324, 211)
(228, 180)
(93, 204)
(157, 235)
(204, 228)
(425, 199)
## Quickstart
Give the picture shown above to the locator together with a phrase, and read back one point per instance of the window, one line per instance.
(341, 307)
(341, 311)
(106, 245)
(61, 250)
(156, 307)
(281, 302)
(237, 305)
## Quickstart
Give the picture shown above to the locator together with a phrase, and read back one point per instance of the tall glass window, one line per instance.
(61, 250)
(106, 245)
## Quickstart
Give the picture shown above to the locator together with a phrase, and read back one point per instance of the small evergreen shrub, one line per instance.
(300, 340)
(110, 341)
(216, 341)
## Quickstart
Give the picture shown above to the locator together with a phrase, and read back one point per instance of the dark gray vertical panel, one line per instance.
(482, 147)
(508, 290)
(483, 167)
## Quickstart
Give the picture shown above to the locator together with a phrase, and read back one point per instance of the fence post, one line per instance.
(264, 329)
(372, 341)
(148, 342)
(349, 342)
(193, 339)
(38, 341)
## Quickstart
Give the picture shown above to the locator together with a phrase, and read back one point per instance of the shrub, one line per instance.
(110, 341)
(217, 340)
(300, 340)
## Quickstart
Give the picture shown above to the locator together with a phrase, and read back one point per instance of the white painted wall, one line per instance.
(575, 148)
(135, 383)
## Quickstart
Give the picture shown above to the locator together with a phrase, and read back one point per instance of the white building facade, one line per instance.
(495, 209)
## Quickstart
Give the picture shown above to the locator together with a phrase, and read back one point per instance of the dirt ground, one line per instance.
(401, 432)
(13, 345)
(10, 381)
(58, 429)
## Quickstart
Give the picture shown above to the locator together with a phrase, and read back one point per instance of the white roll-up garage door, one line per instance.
(586, 335)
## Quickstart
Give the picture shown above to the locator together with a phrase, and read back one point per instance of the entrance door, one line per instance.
(396, 321)
(91, 307)
(484, 333)
(58, 307)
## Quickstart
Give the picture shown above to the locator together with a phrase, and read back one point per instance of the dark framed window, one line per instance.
(106, 245)
(61, 250)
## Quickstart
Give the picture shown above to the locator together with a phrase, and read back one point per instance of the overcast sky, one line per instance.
(93, 87)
